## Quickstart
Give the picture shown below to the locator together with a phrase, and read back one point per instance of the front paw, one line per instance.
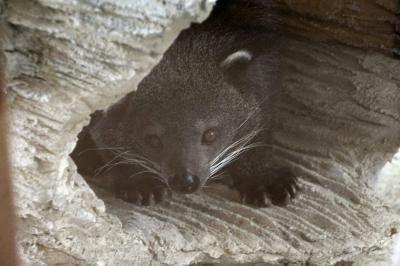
(275, 186)
(144, 192)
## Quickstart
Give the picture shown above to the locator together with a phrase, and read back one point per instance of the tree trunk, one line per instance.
(339, 124)
(8, 255)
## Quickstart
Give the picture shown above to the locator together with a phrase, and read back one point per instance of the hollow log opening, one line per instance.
(337, 125)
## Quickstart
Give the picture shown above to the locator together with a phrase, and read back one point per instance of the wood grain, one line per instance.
(7, 219)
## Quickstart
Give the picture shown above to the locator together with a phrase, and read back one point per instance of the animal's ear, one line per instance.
(235, 65)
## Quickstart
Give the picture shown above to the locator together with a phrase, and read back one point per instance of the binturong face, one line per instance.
(184, 129)
(190, 128)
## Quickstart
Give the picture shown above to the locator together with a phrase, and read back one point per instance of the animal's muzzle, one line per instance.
(184, 183)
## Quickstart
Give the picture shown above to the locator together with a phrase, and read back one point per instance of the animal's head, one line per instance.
(189, 119)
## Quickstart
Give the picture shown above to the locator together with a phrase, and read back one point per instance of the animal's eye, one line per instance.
(209, 136)
(154, 141)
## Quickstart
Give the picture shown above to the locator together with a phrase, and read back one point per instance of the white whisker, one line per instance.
(231, 157)
(158, 177)
(239, 143)
(115, 149)
(215, 177)
(100, 169)
(233, 151)
(247, 119)
(128, 158)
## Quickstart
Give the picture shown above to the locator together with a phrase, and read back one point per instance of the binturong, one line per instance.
(204, 113)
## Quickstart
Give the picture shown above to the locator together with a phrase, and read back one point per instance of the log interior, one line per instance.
(339, 117)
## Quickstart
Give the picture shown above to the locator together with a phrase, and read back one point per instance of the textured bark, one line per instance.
(340, 122)
(8, 254)
(67, 59)
(388, 187)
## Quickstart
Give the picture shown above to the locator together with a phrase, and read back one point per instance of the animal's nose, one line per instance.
(184, 183)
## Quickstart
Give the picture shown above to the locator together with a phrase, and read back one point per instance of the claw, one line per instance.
(291, 192)
(160, 195)
(243, 198)
(277, 188)
(125, 195)
(142, 195)
(150, 200)
(139, 199)
(266, 199)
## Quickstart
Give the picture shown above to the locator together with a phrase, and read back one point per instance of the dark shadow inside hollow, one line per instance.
(86, 155)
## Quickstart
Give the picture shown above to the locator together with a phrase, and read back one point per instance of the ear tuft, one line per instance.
(235, 67)
(239, 57)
